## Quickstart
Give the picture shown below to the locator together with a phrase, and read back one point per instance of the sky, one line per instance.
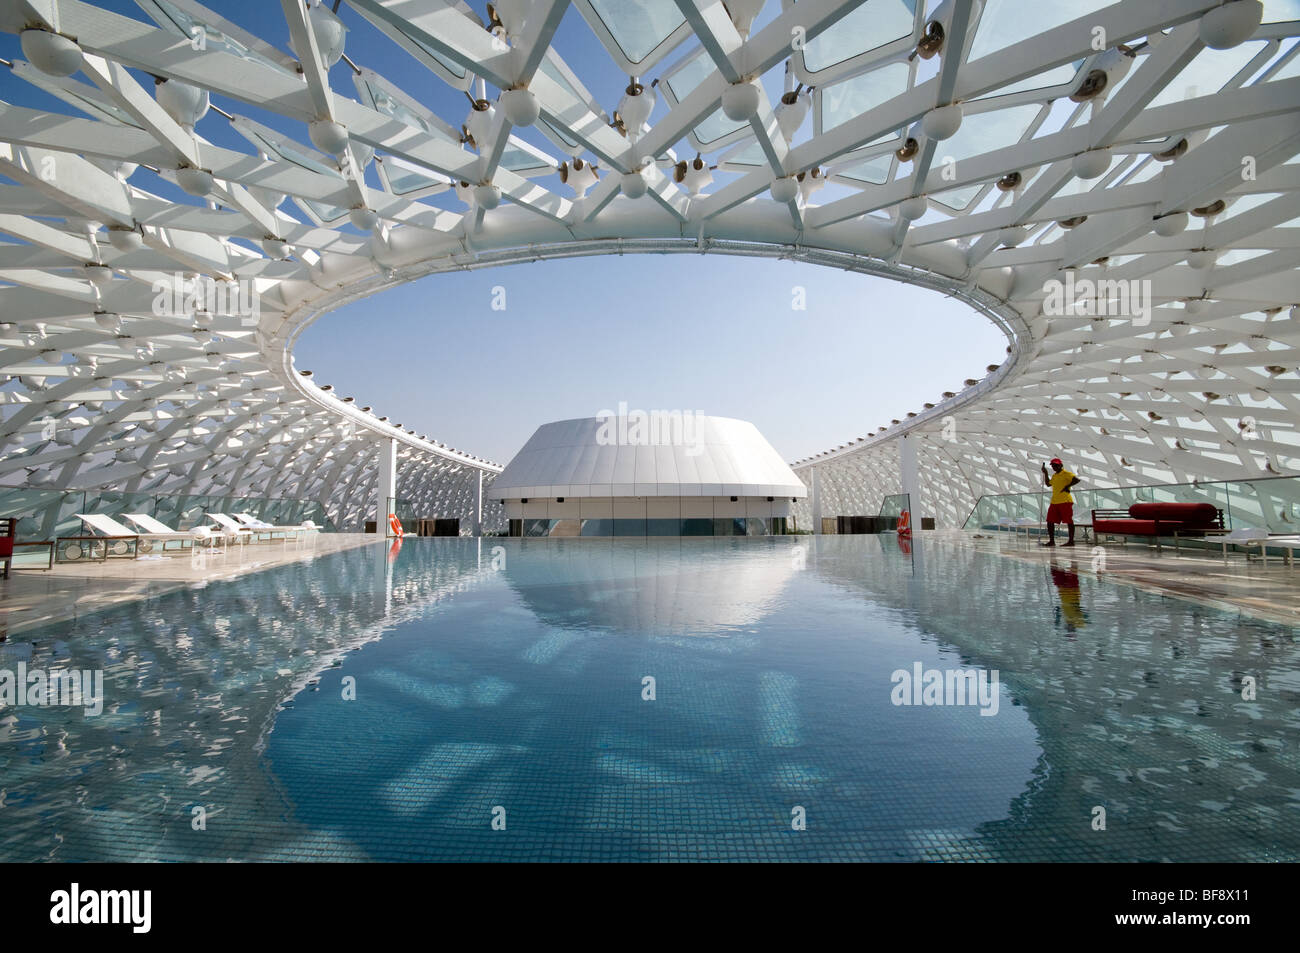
(706, 333)
(713, 334)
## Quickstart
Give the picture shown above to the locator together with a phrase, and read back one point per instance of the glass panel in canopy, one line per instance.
(213, 37)
(384, 102)
(1208, 73)
(1281, 11)
(563, 137)
(1005, 23)
(682, 82)
(1290, 70)
(958, 199)
(288, 152)
(865, 28)
(403, 177)
(99, 109)
(985, 132)
(875, 171)
(523, 159)
(638, 26)
(554, 73)
(451, 66)
(743, 158)
(322, 213)
(716, 127)
(1053, 77)
(844, 101)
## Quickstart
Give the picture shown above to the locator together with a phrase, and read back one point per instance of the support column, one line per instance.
(478, 507)
(816, 503)
(909, 473)
(386, 486)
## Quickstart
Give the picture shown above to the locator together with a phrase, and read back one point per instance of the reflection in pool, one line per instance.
(508, 683)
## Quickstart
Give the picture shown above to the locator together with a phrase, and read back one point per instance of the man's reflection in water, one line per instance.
(1066, 580)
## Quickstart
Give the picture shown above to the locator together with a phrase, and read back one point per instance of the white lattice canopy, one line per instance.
(1114, 185)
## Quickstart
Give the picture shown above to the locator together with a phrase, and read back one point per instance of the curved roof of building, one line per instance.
(985, 150)
(686, 455)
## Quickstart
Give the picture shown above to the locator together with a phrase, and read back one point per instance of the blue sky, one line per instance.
(683, 332)
(707, 333)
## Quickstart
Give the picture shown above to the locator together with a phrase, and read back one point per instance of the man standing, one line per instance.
(1061, 507)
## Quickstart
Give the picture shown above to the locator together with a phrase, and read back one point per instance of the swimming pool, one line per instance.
(674, 699)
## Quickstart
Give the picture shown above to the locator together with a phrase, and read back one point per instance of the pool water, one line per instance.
(659, 699)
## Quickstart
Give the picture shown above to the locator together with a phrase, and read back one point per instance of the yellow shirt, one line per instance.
(1059, 482)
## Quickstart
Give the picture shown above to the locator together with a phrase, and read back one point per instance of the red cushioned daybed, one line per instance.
(7, 544)
(1158, 519)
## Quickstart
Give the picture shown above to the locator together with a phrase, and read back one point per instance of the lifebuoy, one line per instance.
(395, 524)
(905, 523)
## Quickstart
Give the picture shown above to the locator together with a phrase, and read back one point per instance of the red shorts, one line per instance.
(1060, 513)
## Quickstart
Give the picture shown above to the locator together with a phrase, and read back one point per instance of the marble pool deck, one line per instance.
(1201, 575)
(32, 598)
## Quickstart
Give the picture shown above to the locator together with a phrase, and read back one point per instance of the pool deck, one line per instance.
(32, 598)
(1235, 584)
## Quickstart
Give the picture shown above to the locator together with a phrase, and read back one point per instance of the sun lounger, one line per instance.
(261, 526)
(1242, 535)
(1288, 544)
(116, 539)
(209, 539)
(232, 527)
(156, 529)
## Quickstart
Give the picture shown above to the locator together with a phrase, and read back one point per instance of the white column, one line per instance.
(386, 487)
(816, 503)
(478, 507)
(910, 477)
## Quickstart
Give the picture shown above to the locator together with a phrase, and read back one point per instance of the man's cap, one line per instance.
(1055, 460)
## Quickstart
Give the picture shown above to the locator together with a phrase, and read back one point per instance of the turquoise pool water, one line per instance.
(467, 699)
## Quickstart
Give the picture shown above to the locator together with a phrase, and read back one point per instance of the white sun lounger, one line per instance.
(232, 527)
(108, 527)
(1242, 535)
(208, 539)
(159, 530)
(1287, 543)
(261, 526)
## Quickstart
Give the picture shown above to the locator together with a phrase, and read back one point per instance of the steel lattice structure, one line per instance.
(994, 151)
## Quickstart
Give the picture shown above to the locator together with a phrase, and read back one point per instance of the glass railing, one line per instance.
(892, 506)
(48, 514)
(1270, 503)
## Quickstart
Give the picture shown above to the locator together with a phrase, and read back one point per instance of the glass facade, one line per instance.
(724, 526)
(1271, 503)
(46, 514)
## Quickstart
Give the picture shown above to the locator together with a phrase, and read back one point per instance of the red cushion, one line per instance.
(1193, 514)
(6, 546)
(1125, 527)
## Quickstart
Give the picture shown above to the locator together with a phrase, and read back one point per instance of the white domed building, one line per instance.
(647, 474)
